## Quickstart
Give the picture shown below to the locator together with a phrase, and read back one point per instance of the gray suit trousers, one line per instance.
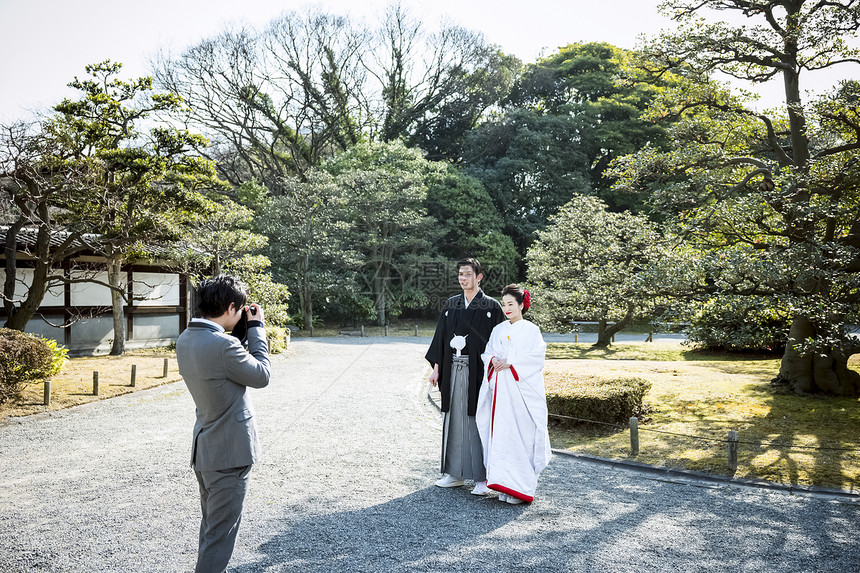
(222, 493)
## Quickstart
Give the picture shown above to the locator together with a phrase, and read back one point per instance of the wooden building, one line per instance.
(157, 311)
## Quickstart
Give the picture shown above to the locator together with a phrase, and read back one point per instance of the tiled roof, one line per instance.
(27, 238)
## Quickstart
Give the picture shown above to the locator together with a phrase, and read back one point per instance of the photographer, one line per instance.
(217, 370)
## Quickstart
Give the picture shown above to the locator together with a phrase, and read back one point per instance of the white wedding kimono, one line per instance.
(512, 413)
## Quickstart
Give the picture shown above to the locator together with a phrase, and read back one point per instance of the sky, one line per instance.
(46, 43)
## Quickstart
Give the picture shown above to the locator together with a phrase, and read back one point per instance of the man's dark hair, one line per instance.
(476, 266)
(215, 294)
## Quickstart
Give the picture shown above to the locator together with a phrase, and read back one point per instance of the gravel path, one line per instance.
(351, 448)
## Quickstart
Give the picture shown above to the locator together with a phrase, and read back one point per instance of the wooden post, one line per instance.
(634, 436)
(362, 331)
(386, 330)
(416, 330)
(613, 338)
(165, 368)
(733, 450)
(47, 394)
(575, 338)
(133, 375)
(95, 382)
(650, 337)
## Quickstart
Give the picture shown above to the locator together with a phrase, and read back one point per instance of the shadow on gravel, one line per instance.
(383, 537)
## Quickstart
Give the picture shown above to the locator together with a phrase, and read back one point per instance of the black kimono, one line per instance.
(475, 323)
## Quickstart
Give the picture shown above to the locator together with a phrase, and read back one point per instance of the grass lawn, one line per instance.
(706, 395)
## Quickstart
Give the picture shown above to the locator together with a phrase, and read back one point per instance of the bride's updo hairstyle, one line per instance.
(520, 294)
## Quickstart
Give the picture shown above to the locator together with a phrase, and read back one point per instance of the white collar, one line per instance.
(467, 302)
(210, 323)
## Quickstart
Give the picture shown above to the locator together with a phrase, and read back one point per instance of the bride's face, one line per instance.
(512, 309)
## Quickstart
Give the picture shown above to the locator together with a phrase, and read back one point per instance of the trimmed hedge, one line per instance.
(25, 358)
(610, 400)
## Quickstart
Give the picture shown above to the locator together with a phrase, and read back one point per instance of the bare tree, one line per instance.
(276, 102)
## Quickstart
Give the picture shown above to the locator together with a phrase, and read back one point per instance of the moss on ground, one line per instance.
(708, 397)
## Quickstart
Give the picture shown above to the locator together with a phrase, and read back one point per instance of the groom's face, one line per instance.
(467, 278)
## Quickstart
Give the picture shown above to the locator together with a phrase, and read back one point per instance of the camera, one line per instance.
(240, 331)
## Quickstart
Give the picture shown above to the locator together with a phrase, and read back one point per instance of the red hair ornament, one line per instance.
(527, 300)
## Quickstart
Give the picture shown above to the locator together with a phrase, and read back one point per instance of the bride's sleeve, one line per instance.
(528, 355)
(489, 352)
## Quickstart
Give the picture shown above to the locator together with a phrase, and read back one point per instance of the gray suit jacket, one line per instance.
(218, 371)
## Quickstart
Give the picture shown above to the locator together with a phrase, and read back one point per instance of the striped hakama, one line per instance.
(462, 453)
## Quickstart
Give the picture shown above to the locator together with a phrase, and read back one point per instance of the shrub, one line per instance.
(278, 339)
(59, 356)
(23, 358)
(610, 400)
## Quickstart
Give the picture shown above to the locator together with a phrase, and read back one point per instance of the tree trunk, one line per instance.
(379, 287)
(36, 291)
(819, 372)
(216, 265)
(306, 295)
(31, 304)
(10, 250)
(605, 334)
(379, 282)
(117, 304)
(307, 304)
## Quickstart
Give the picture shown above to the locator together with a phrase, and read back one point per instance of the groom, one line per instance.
(218, 371)
(462, 333)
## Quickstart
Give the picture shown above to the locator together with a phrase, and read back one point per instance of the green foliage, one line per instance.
(469, 224)
(586, 265)
(24, 358)
(89, 170)
(278, 339)
(530, 164)
(567, 117)
(220, 234)
(262, 289)
(308, 231)
(383, 191)
(131, 186)
(600, 399)
(763, 204)
(600, 88)
(735, 323)
(252, 194)
(59, 356)
(442, 132)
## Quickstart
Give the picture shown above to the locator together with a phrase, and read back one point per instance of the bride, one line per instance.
(512, 412)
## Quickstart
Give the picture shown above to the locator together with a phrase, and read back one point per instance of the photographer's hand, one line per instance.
(254, 312)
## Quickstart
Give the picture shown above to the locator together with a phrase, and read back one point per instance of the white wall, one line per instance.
(54, 296)
(41, 328)
(161, 289)
(91, 333)
(147, 327)
(90, 294)
(96, 334)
